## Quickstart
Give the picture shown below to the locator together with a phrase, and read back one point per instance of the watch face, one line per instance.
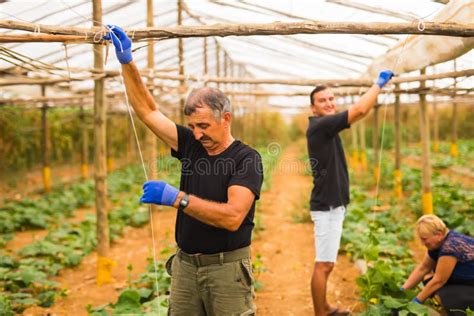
(184, 201)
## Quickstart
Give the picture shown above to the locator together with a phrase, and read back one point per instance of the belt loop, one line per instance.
(197, 260)
(221, 258)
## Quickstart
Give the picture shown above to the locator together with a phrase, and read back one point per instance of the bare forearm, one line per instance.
(221, 215)
(415, 277)
(431, 287)
(364, 105)
(138, 94)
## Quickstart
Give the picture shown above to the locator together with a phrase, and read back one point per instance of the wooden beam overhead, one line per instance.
(247, 80)
(52, 33)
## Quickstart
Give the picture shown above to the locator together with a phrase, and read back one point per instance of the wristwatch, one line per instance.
(183, 202)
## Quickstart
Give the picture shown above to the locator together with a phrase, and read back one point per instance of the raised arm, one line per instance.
(359, 110)
(140, 98)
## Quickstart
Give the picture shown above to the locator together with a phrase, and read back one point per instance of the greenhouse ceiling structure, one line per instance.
(283, 53)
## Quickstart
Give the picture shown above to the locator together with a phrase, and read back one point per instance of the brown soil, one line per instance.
(286, 249)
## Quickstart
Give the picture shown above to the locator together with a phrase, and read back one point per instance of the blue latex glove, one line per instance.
(122, 43)
(159, 192)
(384, 77)
(416, 300)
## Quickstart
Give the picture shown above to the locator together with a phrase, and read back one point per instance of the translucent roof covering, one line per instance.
(291, 56)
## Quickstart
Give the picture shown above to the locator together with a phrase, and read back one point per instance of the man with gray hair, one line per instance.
(221, 178)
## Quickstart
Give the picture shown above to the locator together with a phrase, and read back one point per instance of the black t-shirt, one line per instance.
(328, 163)
(209, 177)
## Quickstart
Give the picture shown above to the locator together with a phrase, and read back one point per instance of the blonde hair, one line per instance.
(430, 224)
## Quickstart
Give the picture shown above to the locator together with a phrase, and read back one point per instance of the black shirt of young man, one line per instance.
(209, 177)
(327, 160)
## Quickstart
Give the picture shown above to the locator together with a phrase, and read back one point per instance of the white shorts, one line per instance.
(328, 232)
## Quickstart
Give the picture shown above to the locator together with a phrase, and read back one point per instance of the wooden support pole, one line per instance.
(231, 73)
(225, 63)
(363, 146)
(85, 145)
(151, 139)
(253, 106)
(51, 33)
(182, 87)
(109, 145)
(46, 144)
(397, 171)
(427, 197)
(435, 126)
(454, 122)
(218, 62)
(375, 142)
(355, 145)
(104, 263)
(206, 67)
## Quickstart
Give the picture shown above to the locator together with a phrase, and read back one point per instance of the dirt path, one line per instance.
(287, 248)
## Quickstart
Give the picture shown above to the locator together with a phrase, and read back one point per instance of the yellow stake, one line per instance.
(104, 270)
(363, 160)
(454, 150)
(355, 159)
(427, 202)
(398, 183)
(47, 179)
(84, 171)
(110, 164)
(376, 173)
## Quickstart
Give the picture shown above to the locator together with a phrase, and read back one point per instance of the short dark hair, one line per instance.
(316, 90)
(206, 96)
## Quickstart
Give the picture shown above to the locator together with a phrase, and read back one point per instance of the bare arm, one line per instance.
(426, 266)
(444, 269)
(359, 110)
(145, 107)
(228, 215)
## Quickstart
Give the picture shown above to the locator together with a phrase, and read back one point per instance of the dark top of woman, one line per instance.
(461, 247)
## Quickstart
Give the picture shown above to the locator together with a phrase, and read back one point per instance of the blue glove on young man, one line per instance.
(383, 78)
(159, 192)
(122, 43)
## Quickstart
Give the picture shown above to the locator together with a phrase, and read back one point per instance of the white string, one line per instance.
(146, 176)
(67, 61)
(383, 126)
(113, 34)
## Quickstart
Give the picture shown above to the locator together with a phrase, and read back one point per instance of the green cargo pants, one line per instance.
(206, 288)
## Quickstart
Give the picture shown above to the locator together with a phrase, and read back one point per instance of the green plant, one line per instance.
(258, 268)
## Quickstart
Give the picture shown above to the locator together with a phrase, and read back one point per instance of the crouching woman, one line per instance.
(450, 256)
